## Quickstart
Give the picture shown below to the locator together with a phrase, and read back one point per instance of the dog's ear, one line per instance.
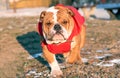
(42, 15)
(70, 12)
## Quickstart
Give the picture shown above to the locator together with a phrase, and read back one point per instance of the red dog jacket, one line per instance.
(66, 46)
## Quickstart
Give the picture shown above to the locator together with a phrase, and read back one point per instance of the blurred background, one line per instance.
(88, 7)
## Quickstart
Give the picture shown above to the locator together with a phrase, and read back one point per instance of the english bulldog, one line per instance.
(63, 32)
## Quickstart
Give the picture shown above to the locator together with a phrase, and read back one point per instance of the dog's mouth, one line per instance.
(56, 38)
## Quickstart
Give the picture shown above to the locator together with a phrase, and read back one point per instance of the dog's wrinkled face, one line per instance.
(57, 24)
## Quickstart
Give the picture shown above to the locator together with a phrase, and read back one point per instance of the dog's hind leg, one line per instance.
(82, 42)
(75, 51)
(82, 36)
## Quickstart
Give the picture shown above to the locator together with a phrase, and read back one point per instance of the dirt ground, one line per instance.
(20, 51)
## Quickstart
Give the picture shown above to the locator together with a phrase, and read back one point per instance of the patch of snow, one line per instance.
(110, 63)
(39, 74)
(84, 60)
(99, 63)
(34, 56)
(107, 55)
(99, 51)
(106, 65)
(32, 72)
(36, 76)
(115, 61)
(28, 74)
(92, 39)
(102, 57)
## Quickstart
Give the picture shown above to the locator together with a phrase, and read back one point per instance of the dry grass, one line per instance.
(19, 40)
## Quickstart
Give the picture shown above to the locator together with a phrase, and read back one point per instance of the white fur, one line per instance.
(55, 69)
(54, 11)
(54, 65)
(65, 33)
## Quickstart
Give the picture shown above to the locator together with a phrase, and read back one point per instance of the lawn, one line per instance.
(21, 54)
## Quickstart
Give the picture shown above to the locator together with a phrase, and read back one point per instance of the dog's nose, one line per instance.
(57, 27)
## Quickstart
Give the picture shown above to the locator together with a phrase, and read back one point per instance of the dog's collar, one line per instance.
(66, 46)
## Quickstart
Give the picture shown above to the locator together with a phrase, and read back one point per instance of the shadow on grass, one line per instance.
(31, 42)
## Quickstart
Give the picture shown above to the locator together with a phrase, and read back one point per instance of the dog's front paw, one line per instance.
(55, 73)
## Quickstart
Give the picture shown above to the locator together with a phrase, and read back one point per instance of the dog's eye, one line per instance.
(48, 23)
(64, 22)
